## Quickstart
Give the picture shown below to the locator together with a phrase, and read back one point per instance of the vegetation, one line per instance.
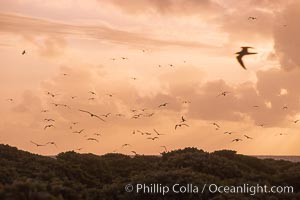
(86, 176)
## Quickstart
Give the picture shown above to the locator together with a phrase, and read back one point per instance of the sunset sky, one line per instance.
(198, 37)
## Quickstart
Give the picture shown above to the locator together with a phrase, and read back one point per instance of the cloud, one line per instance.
(286, 36)
(32, 27)
(167, 7)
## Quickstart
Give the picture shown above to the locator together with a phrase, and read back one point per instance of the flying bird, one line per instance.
(180, 125)
(44, 111)
(37, 145)
(183, 119)
(78, 131)
(242, 53)
(23, 52)
(11, 100)
(261, 125)
(125, 145)
(252, 18)
(106, 115)
(147, 133)
(157, 132)
(246, 136)
(152, 138)
(227, 132)
(52, 95)
(281, 134)
(236, 140)
(48, 126)
(216, 125)
(92, 139)
(223, 94)
(163, 105)
(296, 121)
(53, 143)
(93, 93)
(92, 115)
(97, 134)
(49, 120)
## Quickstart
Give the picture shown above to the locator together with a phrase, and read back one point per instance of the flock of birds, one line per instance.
(138, 113)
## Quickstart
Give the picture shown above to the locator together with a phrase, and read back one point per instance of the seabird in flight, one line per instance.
(91, 114)
(242, 53)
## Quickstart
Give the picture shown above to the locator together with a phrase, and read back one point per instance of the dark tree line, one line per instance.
(86, 176)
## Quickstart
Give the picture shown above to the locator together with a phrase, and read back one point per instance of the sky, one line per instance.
(176, 52)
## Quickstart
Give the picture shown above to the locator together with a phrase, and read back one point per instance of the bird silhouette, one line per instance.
(44, 111)
(49, 120)
(236, 140)
(52, 94)
(183, 119)
(252, 18)
(97, 134)
(11, 100)
(152, 138)
(37, 145)
(246, 136)
(223, 93)
(125, 145)
(147, 133)
(148, 115)
(73, 97)
(242, 53)
(93, 139)
(23, 52)
(261, 125)
(180, 125)
(91, 92)
(52, 143)
(163, 105)
(216, 125)
(296, 121)
(157, 132)
(80, 131)
(48, 126)
(106, 115)
(227, 132)
(137, 116)
(92, 115)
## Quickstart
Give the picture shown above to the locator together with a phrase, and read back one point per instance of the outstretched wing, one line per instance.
(239, 59)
